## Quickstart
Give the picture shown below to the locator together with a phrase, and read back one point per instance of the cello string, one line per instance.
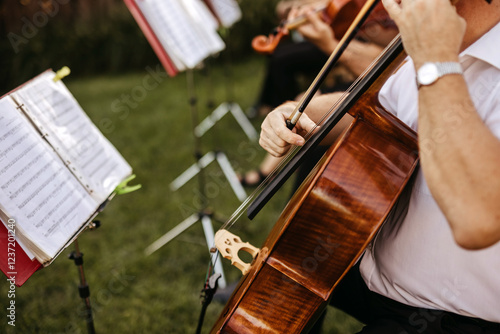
(244, 206)
(292, 152)
(333, 111)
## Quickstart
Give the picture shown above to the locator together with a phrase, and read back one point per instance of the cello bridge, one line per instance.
(229, 245)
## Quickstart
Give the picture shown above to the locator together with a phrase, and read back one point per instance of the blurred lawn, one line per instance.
(151, 127)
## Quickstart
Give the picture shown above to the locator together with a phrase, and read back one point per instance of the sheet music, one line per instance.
(88, 154)
(228, 11)
(5, 218)
(36, 189)
(205, 25)
(186, 40)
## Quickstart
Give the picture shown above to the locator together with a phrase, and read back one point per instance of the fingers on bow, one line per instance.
(277, 139)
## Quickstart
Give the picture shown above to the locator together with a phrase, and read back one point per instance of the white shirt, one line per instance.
(417, 262)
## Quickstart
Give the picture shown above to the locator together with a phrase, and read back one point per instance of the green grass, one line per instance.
(131, 292)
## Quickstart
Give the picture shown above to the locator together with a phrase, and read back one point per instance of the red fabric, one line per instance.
(161, 53)
(23, 266)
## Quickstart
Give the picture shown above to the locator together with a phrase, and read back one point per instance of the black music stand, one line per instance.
(83, 287)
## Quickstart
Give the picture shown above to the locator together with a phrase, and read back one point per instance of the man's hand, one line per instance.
(276, 138)
(431, 30)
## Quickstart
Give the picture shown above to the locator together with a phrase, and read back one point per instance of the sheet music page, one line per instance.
(36, 189)
(180, 33)
(228, 11)
(205, 24)
(5, 218)
(88, 154)
(159, 24)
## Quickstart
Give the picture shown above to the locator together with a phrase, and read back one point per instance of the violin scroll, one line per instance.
(267, 45)
(336, 13)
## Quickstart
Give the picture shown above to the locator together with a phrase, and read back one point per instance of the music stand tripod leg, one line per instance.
(167, 237)
(192, 171)
(210, 120)
(243, 121)
(231, 176)
(209, 237)
(224, 164)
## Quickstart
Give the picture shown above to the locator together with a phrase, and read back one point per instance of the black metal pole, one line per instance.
(83, 288)
(206, 297)
(197, 141)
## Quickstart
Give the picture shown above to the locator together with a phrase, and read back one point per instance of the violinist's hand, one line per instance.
(276, 138)
(315, 30)
(431, 30)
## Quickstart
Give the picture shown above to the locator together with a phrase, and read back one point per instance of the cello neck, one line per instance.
(376, 75)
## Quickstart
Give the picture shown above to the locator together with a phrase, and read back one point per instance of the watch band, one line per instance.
(429, 73)
(449, 68)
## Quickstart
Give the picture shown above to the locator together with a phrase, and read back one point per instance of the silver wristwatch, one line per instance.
(429, 73)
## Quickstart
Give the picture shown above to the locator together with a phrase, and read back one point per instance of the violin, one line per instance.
(337, 13)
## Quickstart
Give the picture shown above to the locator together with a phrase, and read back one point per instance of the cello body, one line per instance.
(327, 224)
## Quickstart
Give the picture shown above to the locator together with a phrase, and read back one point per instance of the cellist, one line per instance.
(437, 268)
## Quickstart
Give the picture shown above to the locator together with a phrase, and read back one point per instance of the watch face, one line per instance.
(427, 74)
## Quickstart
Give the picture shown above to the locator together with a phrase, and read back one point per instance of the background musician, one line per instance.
(292, 59)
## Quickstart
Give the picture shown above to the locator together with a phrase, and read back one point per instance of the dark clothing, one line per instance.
(386, 316)
(288, 62)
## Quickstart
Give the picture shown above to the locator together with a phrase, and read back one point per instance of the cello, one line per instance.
(332, 217)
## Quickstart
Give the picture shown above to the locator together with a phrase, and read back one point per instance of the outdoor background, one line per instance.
(109, 58)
